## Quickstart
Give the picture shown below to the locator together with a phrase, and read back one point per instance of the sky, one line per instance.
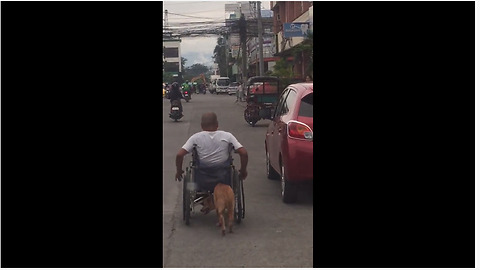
(198, 49)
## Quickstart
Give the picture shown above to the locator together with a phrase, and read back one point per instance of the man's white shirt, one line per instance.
(212, 146)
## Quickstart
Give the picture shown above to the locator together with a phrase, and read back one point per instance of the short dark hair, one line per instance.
(209, 120)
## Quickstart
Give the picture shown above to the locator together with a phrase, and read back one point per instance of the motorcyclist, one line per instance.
(186, 87)
(167, 89)
(176, 94)
(194, 88)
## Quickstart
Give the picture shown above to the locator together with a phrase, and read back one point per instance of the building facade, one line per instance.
(292, 12)
(269, 47)
(250, 10)
(172, 57)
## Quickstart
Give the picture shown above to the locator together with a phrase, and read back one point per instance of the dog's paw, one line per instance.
(223, 232)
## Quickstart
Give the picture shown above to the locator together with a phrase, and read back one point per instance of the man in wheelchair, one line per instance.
(213, 151)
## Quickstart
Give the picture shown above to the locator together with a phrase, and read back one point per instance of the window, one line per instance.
(223, 82)
(171, 66)
(170, 52)
(290, 101)
(279, 110)
(306, 106)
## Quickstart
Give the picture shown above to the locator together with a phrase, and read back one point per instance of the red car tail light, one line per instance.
(299, 130)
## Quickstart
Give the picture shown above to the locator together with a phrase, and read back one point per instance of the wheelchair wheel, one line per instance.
(186, 197)
(239, 198)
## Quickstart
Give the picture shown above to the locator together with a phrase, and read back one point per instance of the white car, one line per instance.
(233, 88)
(222, 84)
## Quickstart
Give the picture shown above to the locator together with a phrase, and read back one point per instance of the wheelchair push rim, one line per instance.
(186, 197)
(239, 197)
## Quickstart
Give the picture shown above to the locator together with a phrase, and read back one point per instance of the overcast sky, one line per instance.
(198, 49)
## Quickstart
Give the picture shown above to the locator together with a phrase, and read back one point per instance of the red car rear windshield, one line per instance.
(306, 106)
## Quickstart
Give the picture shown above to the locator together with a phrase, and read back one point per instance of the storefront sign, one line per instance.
(295, 30)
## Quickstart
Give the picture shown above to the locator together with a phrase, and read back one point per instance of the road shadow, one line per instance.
(258, 125)
(205, 223)
(305, 194)
(262, 125)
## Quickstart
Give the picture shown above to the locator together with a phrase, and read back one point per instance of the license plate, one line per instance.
(186, 95)
(175, 108)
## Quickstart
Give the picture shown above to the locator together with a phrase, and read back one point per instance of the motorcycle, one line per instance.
(186, 96)
(175, 112)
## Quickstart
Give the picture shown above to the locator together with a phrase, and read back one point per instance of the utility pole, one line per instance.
(226, 54)
(260, 39)
(166, 17)
(243, 40)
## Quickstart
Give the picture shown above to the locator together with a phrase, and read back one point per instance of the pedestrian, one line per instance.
(212, 147)
(239, 91)
(308, 79)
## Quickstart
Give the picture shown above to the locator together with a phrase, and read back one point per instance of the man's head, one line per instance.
(209, 121)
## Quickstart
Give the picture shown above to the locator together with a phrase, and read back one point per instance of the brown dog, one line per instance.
(223, 200)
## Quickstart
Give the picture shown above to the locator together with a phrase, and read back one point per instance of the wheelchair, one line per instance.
(196, 185)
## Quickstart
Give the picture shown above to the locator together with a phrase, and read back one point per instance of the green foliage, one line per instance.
(168, 77)
(306, 48)
(284, 70)
(220, 57)
(184, 60)
(195, 70)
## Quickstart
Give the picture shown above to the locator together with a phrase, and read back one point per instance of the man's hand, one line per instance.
(179, 175)
(243, 162)
(178, 163)
(243, 174)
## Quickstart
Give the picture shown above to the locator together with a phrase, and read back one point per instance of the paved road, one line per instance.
(273, 234)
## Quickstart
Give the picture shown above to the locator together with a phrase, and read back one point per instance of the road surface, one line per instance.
(273, 234)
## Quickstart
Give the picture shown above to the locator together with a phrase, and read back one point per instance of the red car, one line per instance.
(289, 140)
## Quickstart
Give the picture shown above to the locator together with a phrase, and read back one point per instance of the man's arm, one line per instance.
(179, 163)
(243, 161)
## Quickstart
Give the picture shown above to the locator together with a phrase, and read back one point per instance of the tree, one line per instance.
(220, 54)
(184, 61)
(167, 77)
(195, 70)
(284, 70)
(305, 51)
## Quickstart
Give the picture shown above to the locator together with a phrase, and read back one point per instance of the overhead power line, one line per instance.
(189, 16)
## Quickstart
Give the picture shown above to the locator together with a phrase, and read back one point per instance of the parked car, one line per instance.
(233, 88)
(289, 140)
